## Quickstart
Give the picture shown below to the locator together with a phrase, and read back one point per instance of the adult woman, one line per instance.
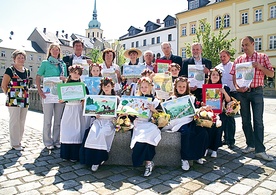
(52, 67)
(15, 85)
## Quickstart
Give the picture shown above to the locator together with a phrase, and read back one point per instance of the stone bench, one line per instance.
(167, 151)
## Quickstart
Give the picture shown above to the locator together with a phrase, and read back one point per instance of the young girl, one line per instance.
(98, 140)
(174, 69)
(146, 135)
(194, 139)
(215, 133)
(72, 125)
(95, 70)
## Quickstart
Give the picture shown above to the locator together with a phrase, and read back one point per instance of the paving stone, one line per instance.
(125, 191)
(9, 191)
(70, 175)
(191, 186)
(179, 191)
(116, 178)
(155, 181)
(68, 192)
(66, 185)
(9, 183)
(240, 188)
(49, 189)
(147, 192)
(86, 187)
(216, 187)
(32, 192)
(161, 189)
(102, 174)
(172, 183)
(269, 185)
(142, 186)
(29, 186)
(104, 190)
(210, 176)
(32, 178)
(273, 178)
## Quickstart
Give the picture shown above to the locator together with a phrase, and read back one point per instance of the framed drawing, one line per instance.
(110, 74)
(211, 96)
(85, 65)
(134, 105)
(179, 107)
(162, 85)
(102, 105)
(71, 91)
(244, 74)
(196, 75)
(162, 66)
(93, 85)
(50, 89)
(132, 71)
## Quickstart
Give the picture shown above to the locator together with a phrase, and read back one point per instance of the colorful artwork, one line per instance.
(212, 96)
(110, 74)
(132, 71)
(50, 89)
(244, 74)
(162, 85)
(102, 105)
(71, 91)
(196, 75)
(134, 105)
(162, 66)
(179, 107)
(93, 84)
(85, 65)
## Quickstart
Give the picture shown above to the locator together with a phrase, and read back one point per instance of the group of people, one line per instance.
(89, 139)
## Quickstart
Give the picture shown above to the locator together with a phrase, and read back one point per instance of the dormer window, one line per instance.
(194, 4)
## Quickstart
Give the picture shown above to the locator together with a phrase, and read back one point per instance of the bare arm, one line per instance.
(5, 82)
(38, 82)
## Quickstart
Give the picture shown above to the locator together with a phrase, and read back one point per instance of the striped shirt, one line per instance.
(258, 79)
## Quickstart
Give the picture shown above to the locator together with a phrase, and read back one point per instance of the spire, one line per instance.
(95, 11)
(94, 23)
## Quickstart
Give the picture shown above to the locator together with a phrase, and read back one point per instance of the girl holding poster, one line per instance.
(215, 133)
(194, 139)
(72, 124)
(146, 135)
(98, 139)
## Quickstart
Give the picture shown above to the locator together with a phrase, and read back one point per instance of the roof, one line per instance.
(21, 44)
(88, 42)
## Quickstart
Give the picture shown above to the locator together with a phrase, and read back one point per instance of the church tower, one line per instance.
(94, 26)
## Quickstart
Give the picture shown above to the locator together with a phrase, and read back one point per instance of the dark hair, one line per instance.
(146, 71)
(209, 81)
(104, 82)
(181, 79)
(77, 41)
(250, 39)
(94, 65)
(174, 65)
(73, 68)
(106, 51)
(225, 51)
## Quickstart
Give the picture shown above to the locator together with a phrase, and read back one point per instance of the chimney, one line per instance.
(57, 33)
(66, 36)
(158, 21)
(44, 30)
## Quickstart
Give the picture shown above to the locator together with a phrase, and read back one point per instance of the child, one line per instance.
(97, 142)
(146, 135)
(215, 133)
(174, 69)
(146, 73)
(95, 70)
(72, 125)
(194, 139)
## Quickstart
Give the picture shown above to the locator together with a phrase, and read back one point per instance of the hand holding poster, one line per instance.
(50, 89)
(196, 75)
(71, 91)
(93, 84)
(212, 96)
(244, 74)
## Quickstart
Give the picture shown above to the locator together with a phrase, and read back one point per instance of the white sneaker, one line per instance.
(57, 145)
(185, 165)
(50, 147)
(200, 161)
(214, 154)
(94, 167)
(149, 168)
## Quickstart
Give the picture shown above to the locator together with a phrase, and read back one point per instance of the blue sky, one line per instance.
(73, 16)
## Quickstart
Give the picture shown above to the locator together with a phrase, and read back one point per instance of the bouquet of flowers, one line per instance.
(205, 117)
(232, 107)
(123, 124)
(161, 119)
(126, 89)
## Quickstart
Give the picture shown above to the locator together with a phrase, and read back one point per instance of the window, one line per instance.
(31, 68)
(152, 40)
(169, 37)
(258, 43)
(149, 28)
(258, 15)
(272, 42)
(226, 20)
(124, 46)
(145, 42)
(183, 52)
(184, 31)
(218, 22)
(31, 57)
(3, 67)
(244, 18)
(132, 44)
(98, 34)
(157, 39)
(202, 28)
(194, 4)
(272, 11)
(137, 44)
(88, 35)
(93, 34)
(39, 58)
(193, 29)
(3, 53)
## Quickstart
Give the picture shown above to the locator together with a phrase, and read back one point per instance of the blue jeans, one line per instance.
(254, 136)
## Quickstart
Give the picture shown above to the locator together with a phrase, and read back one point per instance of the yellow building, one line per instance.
(243, 17)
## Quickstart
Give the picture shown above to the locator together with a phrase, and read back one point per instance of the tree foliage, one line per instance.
(96, 56)
(212, 44)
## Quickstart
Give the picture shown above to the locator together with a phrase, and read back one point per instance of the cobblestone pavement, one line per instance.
(38, 171)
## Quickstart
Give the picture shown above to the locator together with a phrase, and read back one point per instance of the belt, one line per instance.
(254, 89)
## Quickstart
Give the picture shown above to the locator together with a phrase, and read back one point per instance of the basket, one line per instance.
(204, 123)
(123, 124)
(232, 108)
(205, 117)
(161, 119)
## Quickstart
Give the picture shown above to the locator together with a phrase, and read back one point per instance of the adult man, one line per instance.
(167, 50)
(77, 56)
(253, 96)
(197, 60)
(148, 57)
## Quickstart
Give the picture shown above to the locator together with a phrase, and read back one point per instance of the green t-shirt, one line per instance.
(47, 69)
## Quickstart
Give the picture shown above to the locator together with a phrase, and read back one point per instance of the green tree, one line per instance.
(96, 56)
(212, 44)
